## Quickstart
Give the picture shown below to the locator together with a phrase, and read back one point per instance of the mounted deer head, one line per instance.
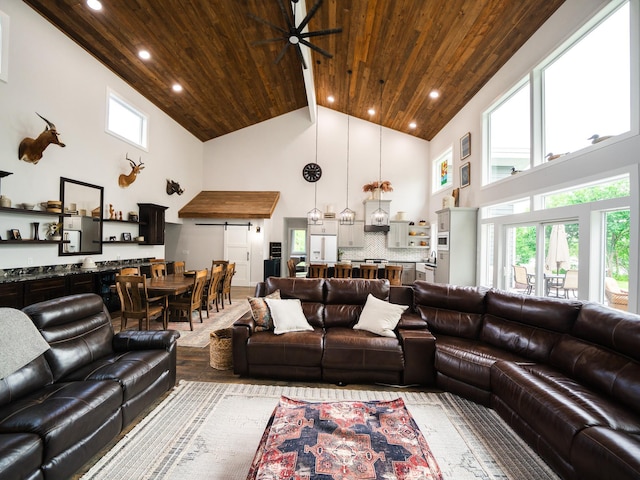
(173, 187)
(30, 149)
(126, 180)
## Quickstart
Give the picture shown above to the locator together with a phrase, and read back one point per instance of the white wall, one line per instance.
(51, 75)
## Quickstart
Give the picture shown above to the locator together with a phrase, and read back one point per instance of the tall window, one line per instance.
(443, 171)
(587, 88)
(509, 135)
(298, 241)
(126, 122)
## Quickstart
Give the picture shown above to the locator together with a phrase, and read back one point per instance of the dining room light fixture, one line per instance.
(380, 217)
(314, 216)
(347, 216)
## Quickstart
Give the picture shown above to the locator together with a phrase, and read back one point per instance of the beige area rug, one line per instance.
(212, 430)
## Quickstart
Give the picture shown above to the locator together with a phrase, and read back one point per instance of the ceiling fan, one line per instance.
(293, 35)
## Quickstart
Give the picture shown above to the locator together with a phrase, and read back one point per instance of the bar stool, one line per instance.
(343, 270)
(393, 273)
(368, 270)
(318, 270)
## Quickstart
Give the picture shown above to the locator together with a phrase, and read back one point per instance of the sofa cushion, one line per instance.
(30, 378)
(260, 311)
(287, 316)
(292, 349)
(604, 370)
(598, 449)
(21, 455)
(379, 317)
(63, 414)
(348, 349)
(451, 322)
(450, 297)
(346, 298)
(310, 291)
(78, 329)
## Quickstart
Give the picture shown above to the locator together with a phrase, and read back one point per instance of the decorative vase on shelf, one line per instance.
(377, 194)
(36, 235)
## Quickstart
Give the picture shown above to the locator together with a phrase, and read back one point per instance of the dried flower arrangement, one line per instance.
(384, 186)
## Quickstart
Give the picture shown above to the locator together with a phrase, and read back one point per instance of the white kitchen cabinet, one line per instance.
(397, 236)
(351, 236)
(328, 227)
(457, 263)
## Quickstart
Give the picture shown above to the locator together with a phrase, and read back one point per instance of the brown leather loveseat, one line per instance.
(564, 374)
(59, 410)
(333, 351)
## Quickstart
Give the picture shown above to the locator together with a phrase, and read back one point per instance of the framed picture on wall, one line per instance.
(126, 237)
(465, 146)
(465, 175)
(15, 234)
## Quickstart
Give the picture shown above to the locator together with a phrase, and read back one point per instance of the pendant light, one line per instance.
(314, 216)
(347, 216)
(379, 217)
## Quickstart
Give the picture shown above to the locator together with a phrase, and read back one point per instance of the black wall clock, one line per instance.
(312, 172)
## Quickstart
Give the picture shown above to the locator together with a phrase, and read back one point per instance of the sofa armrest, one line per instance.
(243, 328)
(412, 321)
(419, 347)
(145, 340)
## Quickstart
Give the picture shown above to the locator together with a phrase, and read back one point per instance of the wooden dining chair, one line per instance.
(291, 265)
(184, 306)
(343, 270)
(393, 273)
(229, 272)
(158, 270)
(130, 271)
(210, 297)
(134, 301)
(178, 267)
(318, 270)
(368, 270)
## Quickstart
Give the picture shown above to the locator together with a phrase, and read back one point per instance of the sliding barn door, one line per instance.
(237, 250)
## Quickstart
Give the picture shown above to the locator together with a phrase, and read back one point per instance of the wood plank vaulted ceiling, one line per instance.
(415, 46)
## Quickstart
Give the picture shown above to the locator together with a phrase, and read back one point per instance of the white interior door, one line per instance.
(237, 250)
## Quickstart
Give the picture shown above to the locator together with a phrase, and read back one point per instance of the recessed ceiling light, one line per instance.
(434, 94)
(144, 55)
(176, 87)
(413, 125)
(371, 111)
(94, 4)
(331, 99)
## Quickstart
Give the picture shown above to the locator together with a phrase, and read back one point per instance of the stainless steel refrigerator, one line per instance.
(323, 248)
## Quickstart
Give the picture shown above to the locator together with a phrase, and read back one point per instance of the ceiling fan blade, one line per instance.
(268, 40)
(317, 49)
(282, 52)
(310, 14)
(300, 56)
(321, 32)
(262, 20)
(286, 14)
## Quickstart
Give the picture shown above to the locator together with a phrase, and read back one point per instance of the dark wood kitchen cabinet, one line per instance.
(81, 283)
(11, 295)
(152, 223)
(45, 289)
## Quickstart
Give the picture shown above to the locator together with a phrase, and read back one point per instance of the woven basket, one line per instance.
(220, 349)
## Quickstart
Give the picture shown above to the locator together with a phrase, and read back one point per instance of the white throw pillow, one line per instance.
(287, 316)
(380, 317)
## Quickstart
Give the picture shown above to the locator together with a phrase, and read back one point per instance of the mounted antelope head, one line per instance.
(126, 180)
(30, 149)
(173, 187)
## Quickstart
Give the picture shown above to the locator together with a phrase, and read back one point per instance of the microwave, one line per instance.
(443, 241)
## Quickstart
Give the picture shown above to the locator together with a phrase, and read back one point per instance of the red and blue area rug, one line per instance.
(342, 440)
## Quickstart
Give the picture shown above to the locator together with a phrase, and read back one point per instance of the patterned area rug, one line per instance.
(212, 430)
(354, 440)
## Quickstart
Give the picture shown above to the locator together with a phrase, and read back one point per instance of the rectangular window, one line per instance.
(507, 208)
(587, 87)
(443, 171)
(298, 241)
(126, 122)
(509, 126)
(618, 187)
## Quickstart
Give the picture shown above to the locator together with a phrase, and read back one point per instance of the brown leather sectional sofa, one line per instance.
(334, 352)
(58, 411)
(564, 374)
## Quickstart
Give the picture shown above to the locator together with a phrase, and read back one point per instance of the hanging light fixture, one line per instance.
(379, 217)
(314, 216)
(347, 216)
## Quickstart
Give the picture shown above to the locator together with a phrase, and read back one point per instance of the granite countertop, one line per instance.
(38, 273)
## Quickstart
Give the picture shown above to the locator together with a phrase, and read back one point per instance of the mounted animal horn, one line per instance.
(31, 149)
(126, 180)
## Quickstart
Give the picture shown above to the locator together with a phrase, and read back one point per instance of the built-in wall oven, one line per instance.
(443, 241)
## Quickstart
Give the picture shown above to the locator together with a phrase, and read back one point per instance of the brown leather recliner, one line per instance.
(67, 404)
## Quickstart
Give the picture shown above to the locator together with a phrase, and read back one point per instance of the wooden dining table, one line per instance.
(171, 284)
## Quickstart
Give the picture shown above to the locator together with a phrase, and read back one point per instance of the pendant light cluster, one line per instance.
(380, 217)
(347, 216)
(314, 216)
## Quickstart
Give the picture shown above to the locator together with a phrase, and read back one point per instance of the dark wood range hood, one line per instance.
(236, 204)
